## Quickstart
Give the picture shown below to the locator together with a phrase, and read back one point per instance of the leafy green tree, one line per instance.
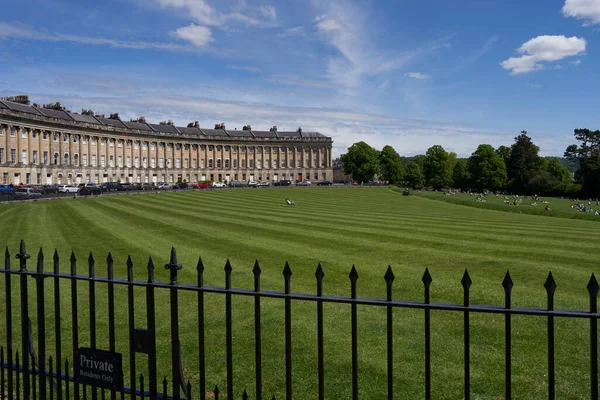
(361, 161)
(523, 164)
(413, 176)
(555, 168)
(487, 169)
(587, 155)
(460, 175)
(452, 160)
(390, 165)
(435, 168)
(503, 152)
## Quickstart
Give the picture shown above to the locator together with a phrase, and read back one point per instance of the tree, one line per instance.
(559, 171)
(460, 175)
(413, 176)
(452, 160)
(435, 168)
(390, 165)
(487, 169)
(523, 163)
(587, 155)
(503, 152)
(361, 161)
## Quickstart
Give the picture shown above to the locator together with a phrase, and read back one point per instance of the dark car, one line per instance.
(283, 182)
(181, 185)
(110, 186)
(147, 186)
(324, 183)
(49, 189)
(27, 193)
(89, 190)
(125, 187)
(236, 184)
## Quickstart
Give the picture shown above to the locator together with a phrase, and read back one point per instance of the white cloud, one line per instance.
(576, 62)
(295, 31)
(534, 85)
(328, 25)
(268, 12)
(417, 75)
(197, 35)
(542, 49)
(21, 31)
(203, 13)
(587, 10)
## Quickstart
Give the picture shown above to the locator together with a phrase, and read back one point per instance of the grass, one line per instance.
(370, 228)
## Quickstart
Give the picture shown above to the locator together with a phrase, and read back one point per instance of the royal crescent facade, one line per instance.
(50, 145)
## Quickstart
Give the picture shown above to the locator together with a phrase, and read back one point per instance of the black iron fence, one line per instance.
(27, 373)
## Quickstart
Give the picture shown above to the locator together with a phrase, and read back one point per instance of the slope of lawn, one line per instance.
(370, 228)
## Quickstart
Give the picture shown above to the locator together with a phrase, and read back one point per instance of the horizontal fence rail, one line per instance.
(29, 372)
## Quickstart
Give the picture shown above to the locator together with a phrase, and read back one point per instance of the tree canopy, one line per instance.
(587, 155)
(390, 165)
(523, 164)
(436, 168)
(361, 161)
(487, 169)
(414, 176)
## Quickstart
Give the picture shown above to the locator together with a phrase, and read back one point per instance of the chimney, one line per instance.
(87, 112)
(300, 130)
(274, 128)
(163, 122)
(53, 106)
(170, 122)
(247, 127)
(22, 99)
(114, 116)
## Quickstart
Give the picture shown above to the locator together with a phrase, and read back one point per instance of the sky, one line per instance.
(405, 73)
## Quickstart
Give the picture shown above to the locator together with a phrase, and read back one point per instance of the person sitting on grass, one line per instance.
(289, 202)
(547, 208)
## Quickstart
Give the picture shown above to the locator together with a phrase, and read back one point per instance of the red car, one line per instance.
(203, 185)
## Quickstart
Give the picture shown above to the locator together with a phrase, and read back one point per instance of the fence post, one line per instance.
(389, 280)
(173, 267)
(111, 310)
(287, 275)
(257, 334)
(201, 356)
(228, 331)
(466, 283)
(9, 345)
(427, 283)
(130, 304)
(74, 316)
(22, 256)
(92, 308)
(151, 323)
(319, 274)
(41, 320)
(593, 289)
(56, 260)
(353, 277)
(550, 286)
(507, 283)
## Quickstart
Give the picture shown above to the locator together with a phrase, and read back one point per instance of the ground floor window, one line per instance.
(39, 179)
(5, 178)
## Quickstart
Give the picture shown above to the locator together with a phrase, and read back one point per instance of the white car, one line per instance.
(218, 185)
(68, 189)
(165, 186)
(253, 184)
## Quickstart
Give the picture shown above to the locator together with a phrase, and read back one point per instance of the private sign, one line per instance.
(98, 368)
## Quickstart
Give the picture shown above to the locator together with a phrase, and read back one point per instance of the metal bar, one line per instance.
(41, 321)
(257, 332)
(228, 332)
(18, 377)
(287, 274)
(74, 330)
(173, 266)
(25, 341)
(34, 373)
(151, 323)
(427, 283)
(57, 338)
(593, 288)
(50, 376)
(507, 284)
(354, 319)
(9, 329)
(201, 353)
(92, 308)
(319, 274)
(67, 380)
(550, 286)
(466, 283)
(131, 319)
(2, 386)
(389, 280)
(111, 311)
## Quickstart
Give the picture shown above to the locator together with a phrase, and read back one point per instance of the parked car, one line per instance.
(283, 182)
(165, 186)
(147, 186)
(68, 189)
(109, 186)
(6, 189)
(324, 183)
(236, 184)
(50, 189)
(89, 190)
(202, 185)
(27, 193)
(253, 184)
(303, 183)
(181, 185)
(125, 187)
(218, 185)
(263, 184)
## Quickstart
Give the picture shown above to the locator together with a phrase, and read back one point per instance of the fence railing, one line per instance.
(27, 373)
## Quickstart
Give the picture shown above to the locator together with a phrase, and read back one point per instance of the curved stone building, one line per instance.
(49, 144)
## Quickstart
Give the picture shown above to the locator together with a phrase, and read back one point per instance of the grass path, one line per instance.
(370, 228)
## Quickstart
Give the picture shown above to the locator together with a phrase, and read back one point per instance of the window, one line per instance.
(194, 161)
(144, 145)
(186, 163)
(76, 159)
(93, 160)
(28, 178)
(178, 163)
(65, 137)
(1, 155)
(35, 157)
(299, 163)
(23, 133)
(128, 161)
(210, 147)
(202, 147)
(66, 159)
(227, 163)
(202, 163)
(227, 148)
(56, 158)
(251, 149)
(136, 162)
(169, 163)
(45, 136)
(152, 146)
(243, 163)
(178, 146)
(84, 160)
(120, 161)
(251, 163)
(235, 149)
(160, 162)
(283, 165)
(258, 165)
(45, 158)
(153, 162)
(145, 162)
(94, 140)
(275, 149)
(210, 163)
(39, 179)
(102, 142)
(266, 163)
(111, 143)
(111, 161)
(75, 138)
(13, 131)
(120, 143)
(34, 135)
(218, 163)
(5, 178)
(13, 155)
(243, 149)
(24, 156)
(234, 163)
(84, 139)
(259, 149)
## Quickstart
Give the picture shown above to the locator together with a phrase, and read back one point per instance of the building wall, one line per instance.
(42, 150)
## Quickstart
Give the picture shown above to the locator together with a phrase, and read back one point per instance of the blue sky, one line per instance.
(409, 73)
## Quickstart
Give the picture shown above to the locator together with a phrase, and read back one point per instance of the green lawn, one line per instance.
(337, 227)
